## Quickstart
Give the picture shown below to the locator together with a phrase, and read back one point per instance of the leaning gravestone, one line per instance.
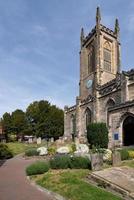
(96, 161)
(116, 158)
(39, 140)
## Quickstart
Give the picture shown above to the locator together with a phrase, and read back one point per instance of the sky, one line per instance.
(40, 43)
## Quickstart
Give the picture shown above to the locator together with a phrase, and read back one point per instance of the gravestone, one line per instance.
(52, 140)
(96, 161)
(116, 158)
(39, 140)
(30, 140)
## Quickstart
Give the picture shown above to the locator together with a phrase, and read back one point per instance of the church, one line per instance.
(106, 94)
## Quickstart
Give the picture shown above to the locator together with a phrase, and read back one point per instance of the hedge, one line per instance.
(31, 152)
(124, 154)
(37, 168)
(72, 162)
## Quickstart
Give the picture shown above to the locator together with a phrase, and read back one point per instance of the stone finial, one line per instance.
(117, 28)
(65, 107)
(98, 16)
(82, 36)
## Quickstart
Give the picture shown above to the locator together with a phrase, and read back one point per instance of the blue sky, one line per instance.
(39, 47)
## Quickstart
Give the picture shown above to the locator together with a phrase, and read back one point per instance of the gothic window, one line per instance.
(107, 56)
(91, 60)
(73, 126)
(110, 103)
(88, 116)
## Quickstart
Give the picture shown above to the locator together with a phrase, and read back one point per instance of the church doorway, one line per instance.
(128, 131)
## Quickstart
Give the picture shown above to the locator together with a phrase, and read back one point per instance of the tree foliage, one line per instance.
(6, 123)
(18, 121)
(40, 119)
(97, 134)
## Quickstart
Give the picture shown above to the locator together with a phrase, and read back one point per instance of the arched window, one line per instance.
(88, 117)
(91, 60)
(73, 126)
(107, 56)
(110, 103)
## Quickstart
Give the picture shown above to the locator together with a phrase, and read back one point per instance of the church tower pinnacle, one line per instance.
(82, 36)
(117, 28)
(98, 17)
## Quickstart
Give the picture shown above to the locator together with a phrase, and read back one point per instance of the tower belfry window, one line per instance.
(107, 56)
(91, 60)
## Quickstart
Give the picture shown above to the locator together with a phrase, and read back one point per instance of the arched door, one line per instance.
(128, 131)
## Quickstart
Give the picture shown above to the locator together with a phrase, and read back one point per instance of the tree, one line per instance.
(19, 122)
(45, 120)
(97, 134)
(6, 124)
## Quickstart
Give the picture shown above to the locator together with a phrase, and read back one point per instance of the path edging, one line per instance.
(48, 192)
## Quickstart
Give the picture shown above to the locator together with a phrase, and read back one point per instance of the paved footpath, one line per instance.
(13, 182)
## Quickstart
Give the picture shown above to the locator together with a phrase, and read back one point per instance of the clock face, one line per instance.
(89, 83)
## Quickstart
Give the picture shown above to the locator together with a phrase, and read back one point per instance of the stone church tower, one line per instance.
(102, 87)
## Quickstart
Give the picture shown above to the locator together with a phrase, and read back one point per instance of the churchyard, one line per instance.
(75, 171)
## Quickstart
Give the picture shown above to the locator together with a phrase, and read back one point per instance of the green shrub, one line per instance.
(31, 152)
(5, 152)
(97, 135)
(73, 147)
(52, 150)
(73, 162)
(60, 162)
(37, 168)
(124, 154)
(131, 154)
(80, 163)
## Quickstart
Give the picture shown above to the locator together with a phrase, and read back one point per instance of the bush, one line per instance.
(73, 162)
(31, 152)
(73, 147)
(131, 154)
(5, 153)
(60, 162)
(124, 154)
(52, 150)
(80, 163)
(37, 168)
(97, 135)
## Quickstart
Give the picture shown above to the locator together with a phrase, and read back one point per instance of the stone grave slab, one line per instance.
(119, 179)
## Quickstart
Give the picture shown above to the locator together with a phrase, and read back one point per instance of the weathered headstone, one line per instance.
(96, 161)
(116, 158)
(30, 140)
(52, 140)
(39, 140)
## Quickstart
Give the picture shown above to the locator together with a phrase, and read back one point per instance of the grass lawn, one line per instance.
(17, 147)
(129, 163)
(71, 184)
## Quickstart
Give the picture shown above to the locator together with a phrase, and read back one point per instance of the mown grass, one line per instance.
(17, 147)
(71, 185)
(129, 163)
